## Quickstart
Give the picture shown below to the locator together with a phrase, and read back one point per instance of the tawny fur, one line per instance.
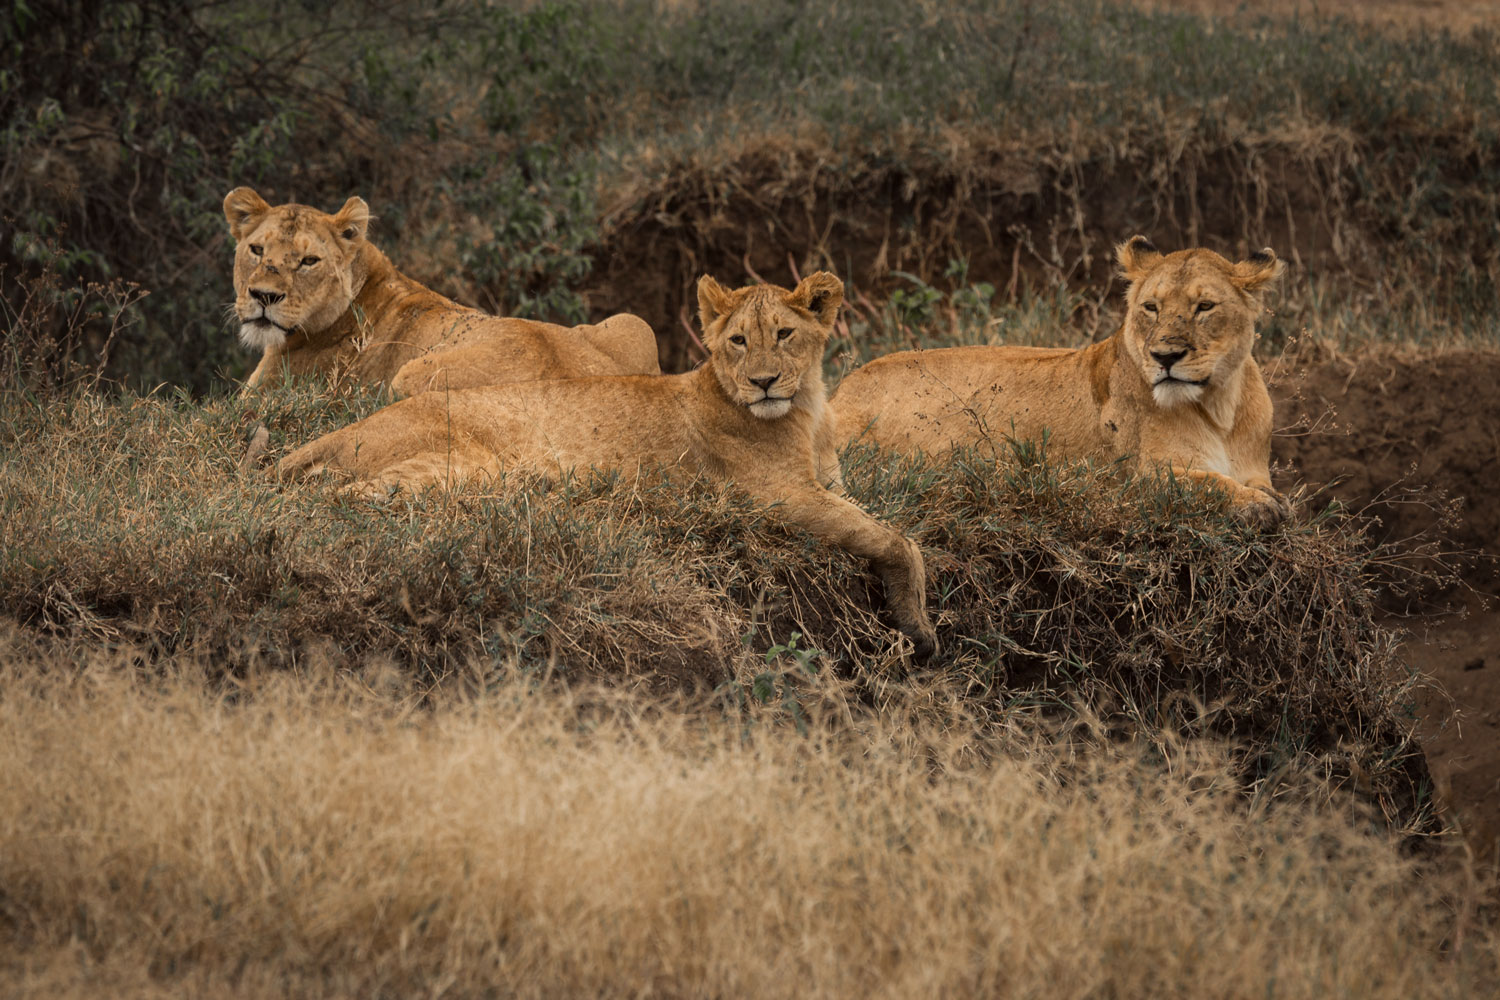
(317, 297)
(1205, 415)
(754, 413)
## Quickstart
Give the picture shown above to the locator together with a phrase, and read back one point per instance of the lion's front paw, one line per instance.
(1262, 507)
(924, 640)
(368, 490)
(256, 440)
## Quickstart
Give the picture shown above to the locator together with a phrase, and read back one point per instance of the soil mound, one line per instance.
(1064, 587)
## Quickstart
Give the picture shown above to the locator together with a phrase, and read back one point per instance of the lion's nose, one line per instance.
(765, 383)
(266, 298)
(1168, 358)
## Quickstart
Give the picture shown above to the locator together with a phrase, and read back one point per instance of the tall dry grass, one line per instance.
(305, 836)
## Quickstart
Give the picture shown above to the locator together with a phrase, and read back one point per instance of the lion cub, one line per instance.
(1175, 386)
(317, 297)
(754, 414)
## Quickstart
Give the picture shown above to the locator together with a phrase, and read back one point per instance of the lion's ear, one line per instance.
(243, 209)
(820, 294)
(1136, 256)
(1258, 271)
(713, 301)
(353, 220)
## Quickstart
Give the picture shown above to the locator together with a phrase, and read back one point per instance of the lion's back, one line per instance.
(934, 401)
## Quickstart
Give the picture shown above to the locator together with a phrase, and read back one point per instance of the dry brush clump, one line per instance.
(132, 522)
(307, 836)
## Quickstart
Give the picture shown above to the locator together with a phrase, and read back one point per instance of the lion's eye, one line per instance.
(310, 261)
(737, 340)
(257, 249)
(1150, 307)
(1204, 307)
(783, 333)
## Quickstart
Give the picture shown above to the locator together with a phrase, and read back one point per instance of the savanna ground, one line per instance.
(620, 737)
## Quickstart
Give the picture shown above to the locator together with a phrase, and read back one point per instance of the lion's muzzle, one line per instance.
(770, 407)
(261, 332)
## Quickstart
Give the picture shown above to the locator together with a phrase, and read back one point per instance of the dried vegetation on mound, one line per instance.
(130, 525)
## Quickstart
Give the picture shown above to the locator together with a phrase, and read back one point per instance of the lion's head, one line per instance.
(1190, 316)
(766, 343)
(294, 266)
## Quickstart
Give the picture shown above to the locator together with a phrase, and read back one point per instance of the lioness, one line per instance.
(1175, 386)
(316, 296)
(754, 413)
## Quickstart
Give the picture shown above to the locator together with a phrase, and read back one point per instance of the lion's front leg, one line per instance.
(893, 556)
(411, 444)
(265, 372)
(828, 472)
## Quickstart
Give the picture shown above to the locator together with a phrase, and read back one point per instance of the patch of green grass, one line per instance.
(623, 72)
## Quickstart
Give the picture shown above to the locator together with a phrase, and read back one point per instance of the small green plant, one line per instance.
(777, 687)
(973, 301)
(803, 658)
(911, 309)
(919, 312)
(535, 216)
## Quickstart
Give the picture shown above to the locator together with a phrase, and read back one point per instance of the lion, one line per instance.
(1175, 386)
(754, 413)
(317, 297)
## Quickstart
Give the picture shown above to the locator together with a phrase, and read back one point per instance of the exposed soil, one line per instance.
(1410, 438)
(1461, 718)
(1414, 439)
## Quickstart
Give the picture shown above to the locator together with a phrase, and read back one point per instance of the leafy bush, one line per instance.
(122, 169)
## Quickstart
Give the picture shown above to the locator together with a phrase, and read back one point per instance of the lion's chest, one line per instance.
(1180, 436)
(1214, 457)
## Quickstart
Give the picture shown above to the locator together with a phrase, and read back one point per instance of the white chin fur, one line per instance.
(770, 409)
(257, 333)
(1175, 393)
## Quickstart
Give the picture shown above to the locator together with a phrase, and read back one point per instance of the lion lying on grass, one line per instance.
(754, 414)
(317, 297)
(1175, 386)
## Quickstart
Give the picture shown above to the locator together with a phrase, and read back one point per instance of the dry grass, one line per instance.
(306, 836)
(1403, 15)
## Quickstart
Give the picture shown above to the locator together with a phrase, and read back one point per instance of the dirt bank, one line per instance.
(782, 206)
(1412, 438)
(1461, 717)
